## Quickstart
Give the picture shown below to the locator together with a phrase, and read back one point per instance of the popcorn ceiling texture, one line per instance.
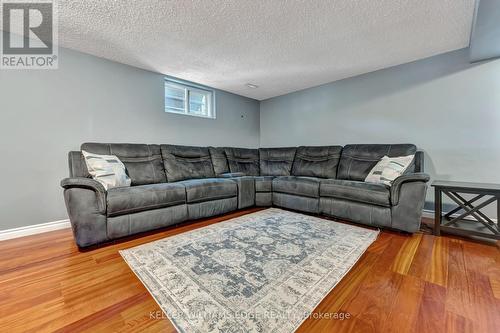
(280, 45)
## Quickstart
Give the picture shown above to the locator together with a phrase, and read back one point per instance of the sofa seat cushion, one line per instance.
(376, 194)
(263, 183)
(200, 190)
(127, 200)
(301, 186)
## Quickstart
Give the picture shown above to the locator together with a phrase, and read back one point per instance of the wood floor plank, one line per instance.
(406, 254)
(431, 312)
(383, 240)
(94, 319)
(457, 324)
(420, 265)
(402, 283)
(347, 289)
(377, 293)
(372, 306)
(469, 292)
(438, 265)
(495, 286)
(404, 312)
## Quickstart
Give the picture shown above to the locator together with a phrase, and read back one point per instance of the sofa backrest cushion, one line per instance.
(243, 160)
(356, 161)
(143, 162)
(276, 161)
(186, 162)
(321, 161)
(219, 160)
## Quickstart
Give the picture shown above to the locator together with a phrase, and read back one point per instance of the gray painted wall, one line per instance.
(445, 105)
(485, 38)
(46, 113)
(449, 108)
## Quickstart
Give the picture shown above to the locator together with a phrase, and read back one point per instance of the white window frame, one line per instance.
(189, 87)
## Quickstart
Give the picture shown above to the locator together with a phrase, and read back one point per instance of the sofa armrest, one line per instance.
(89, 184)
(405, 178)
(85, 201)
(419, 161)
(231, 175)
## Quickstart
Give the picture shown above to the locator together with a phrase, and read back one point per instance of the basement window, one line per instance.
(189, 99)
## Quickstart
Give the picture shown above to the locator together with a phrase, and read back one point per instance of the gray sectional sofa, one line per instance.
(172, 184)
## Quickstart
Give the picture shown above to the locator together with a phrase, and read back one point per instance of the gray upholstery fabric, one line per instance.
(263, 188)
(219, 160)
(407, 214)
(204, 182)
(263, 199)
(407, 178)
(243, 160)
(187, 162)
(126, 225)
(77, 166)
(246, 191)
(263, 183)
(211, 208)
(320, 162)
(276, 161)
(231, 175)
(198, 190)
(89, 184)
(419, 162)
(296, 202)
(359, 212)
(87, 217)
(303, 186)
(356, 161)
(143, 162)
(376, 194)
(127, 200)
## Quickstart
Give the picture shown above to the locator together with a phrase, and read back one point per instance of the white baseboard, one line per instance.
(430, 214)
(33, 229)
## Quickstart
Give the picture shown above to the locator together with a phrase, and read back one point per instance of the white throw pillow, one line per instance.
(107, 170)
(388, 169)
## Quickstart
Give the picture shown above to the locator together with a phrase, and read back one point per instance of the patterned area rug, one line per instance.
(261, 272)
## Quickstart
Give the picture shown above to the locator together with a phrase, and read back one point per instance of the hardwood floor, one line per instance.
(418, 283)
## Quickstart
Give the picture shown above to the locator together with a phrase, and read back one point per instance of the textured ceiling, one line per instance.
(279, 45)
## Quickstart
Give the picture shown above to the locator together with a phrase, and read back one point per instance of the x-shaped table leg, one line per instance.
(469, 209)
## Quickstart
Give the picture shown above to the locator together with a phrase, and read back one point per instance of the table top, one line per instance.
(466, 185)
